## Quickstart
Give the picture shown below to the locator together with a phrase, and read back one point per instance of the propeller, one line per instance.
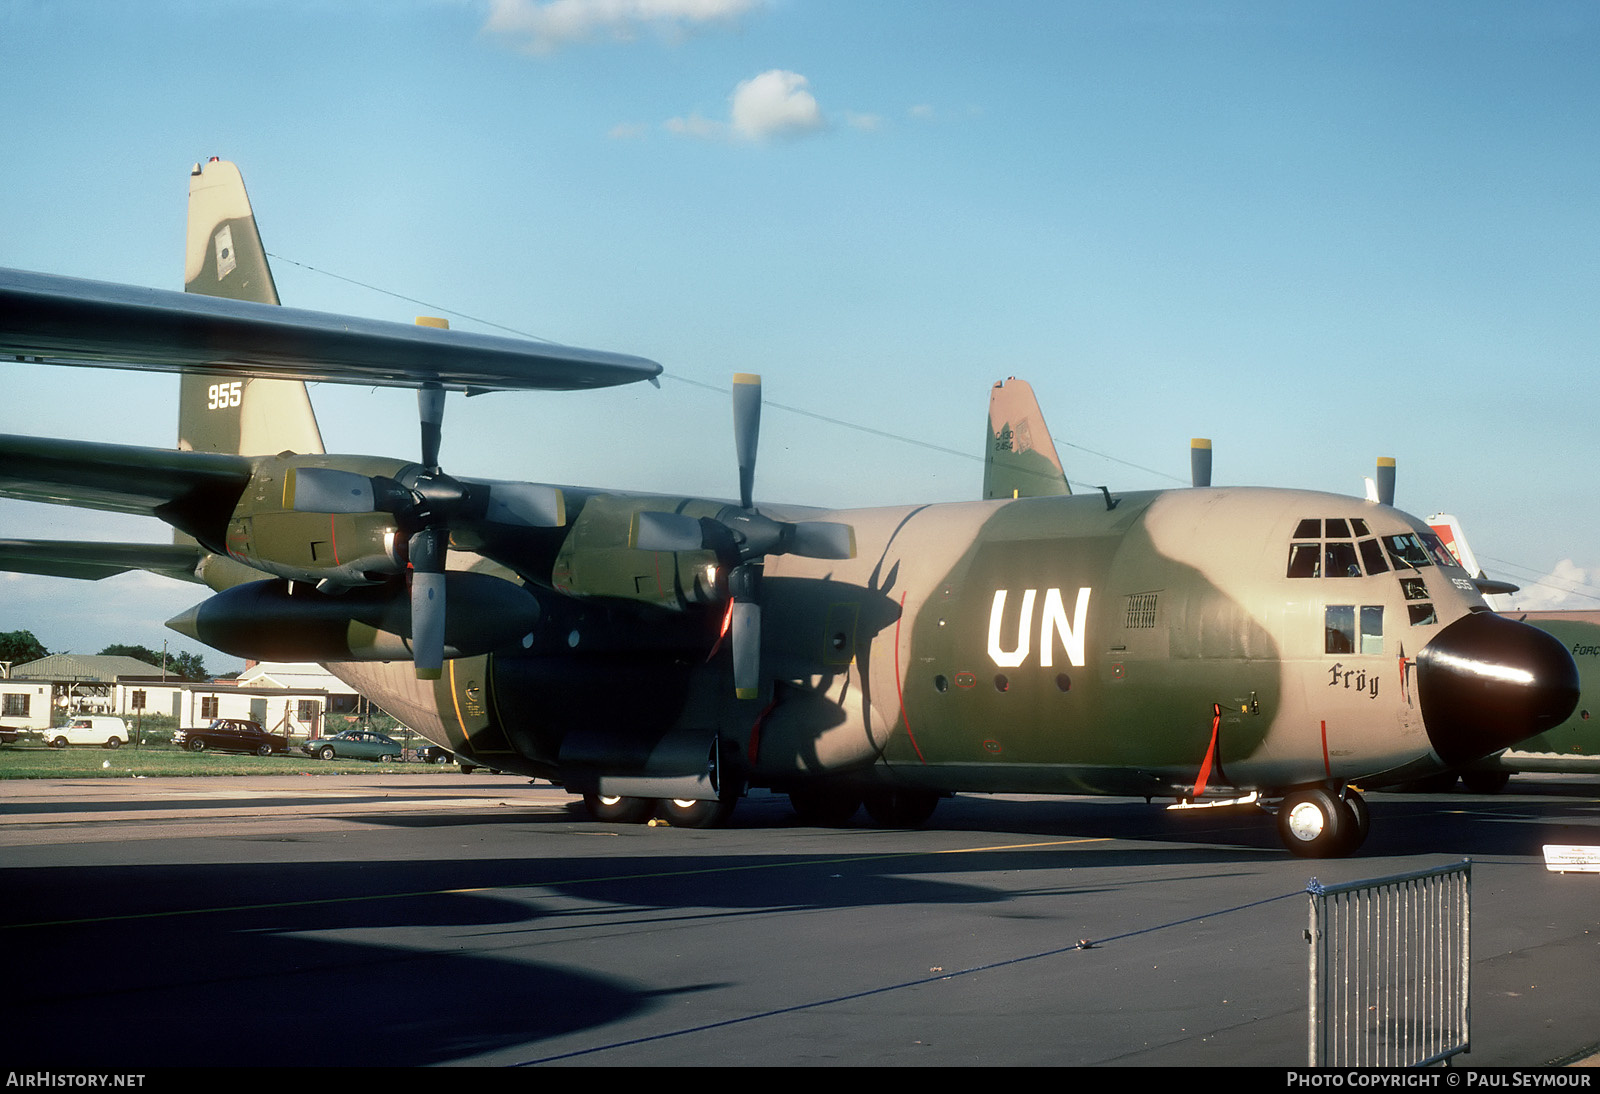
(1200, 461)
(742, 537)
(425, 503)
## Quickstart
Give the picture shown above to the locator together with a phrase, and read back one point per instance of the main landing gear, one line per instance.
(678, 812)
(1317, 822)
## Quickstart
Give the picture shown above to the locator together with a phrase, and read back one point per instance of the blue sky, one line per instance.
(1317, 234)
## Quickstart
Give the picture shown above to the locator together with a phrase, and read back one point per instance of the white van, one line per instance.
(89, 729)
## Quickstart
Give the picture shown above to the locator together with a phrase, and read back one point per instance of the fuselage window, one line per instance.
(1336, 528)
(1308, 529)
(1359, 526)
(1339, 629)
(1422, 614)
(1414, 588)
(1372, 628)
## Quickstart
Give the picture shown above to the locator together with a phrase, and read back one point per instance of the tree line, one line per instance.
(20, 647)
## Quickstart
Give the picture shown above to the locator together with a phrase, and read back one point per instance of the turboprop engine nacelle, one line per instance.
(280, 621)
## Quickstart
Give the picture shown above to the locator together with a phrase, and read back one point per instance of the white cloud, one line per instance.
(627, 131)
(543, 26)
(695, 126)
(869, 123)
(1567, 586)
(775, 104)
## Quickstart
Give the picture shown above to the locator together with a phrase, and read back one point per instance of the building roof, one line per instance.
(83, 666)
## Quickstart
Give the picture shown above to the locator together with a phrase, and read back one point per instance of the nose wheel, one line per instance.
(1315, 822)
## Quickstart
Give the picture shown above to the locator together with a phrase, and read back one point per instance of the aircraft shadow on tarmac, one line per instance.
(276, 963)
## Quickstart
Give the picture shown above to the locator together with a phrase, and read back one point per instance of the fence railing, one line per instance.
(1390, 969)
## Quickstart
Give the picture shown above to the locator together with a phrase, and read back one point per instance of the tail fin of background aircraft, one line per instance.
(225, 258)
(1450, 533)
(1020, 459)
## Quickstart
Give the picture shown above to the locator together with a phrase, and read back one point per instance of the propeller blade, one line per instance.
(651, 531)
(526, 504)
(823, 539)
(1200, 461)
(430, 411)
(746, 638)
(327, 490)
(746, 431)
(1386, 479)
(427, 549)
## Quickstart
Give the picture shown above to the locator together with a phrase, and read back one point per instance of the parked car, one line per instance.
(433, 754)
(88, 729)
(231, 735)
(354, 744)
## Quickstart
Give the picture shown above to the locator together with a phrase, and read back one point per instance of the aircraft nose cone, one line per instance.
(1487, 682)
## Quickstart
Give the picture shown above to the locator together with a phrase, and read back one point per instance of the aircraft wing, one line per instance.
(54, 320)
(192, 491)
(93, 561)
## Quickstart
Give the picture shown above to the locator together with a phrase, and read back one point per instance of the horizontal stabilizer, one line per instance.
(93, 561)
(67, 321)
(118, 477)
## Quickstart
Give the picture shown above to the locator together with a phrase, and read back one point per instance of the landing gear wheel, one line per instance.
(901, 808)
(690, 813)
(617, 810)
(825, 808)
(1486, 782)
(263, 750)
(1314, 824)
(1361, 821)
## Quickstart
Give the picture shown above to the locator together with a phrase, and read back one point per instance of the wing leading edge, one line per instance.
(69, 321)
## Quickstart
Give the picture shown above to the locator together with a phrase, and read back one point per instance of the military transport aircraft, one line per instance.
(662, 654)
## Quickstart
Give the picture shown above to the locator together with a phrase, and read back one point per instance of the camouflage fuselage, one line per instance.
(1042, 644)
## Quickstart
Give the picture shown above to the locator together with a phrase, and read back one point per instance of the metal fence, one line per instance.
(1390, 969)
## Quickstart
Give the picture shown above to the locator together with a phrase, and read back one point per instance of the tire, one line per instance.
(1361, 821)
(617, 810)
(196, 745)
(442, 759)
(1312, 823)
(1485, 782)
(114, 743)
(59, 742)
(387, 759)
(690, 813)
(824, 808)
(900, 807)
(264, 750)
(326, 752)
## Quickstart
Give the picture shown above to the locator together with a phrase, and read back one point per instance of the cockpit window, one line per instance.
(1305, 560)
(1334, 552)
(1372, 555)
(1341, 559)
(1407, 552)
(1441, 553)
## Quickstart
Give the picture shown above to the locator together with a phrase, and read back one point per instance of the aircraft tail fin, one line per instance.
(225, 257)
(1020, 458)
